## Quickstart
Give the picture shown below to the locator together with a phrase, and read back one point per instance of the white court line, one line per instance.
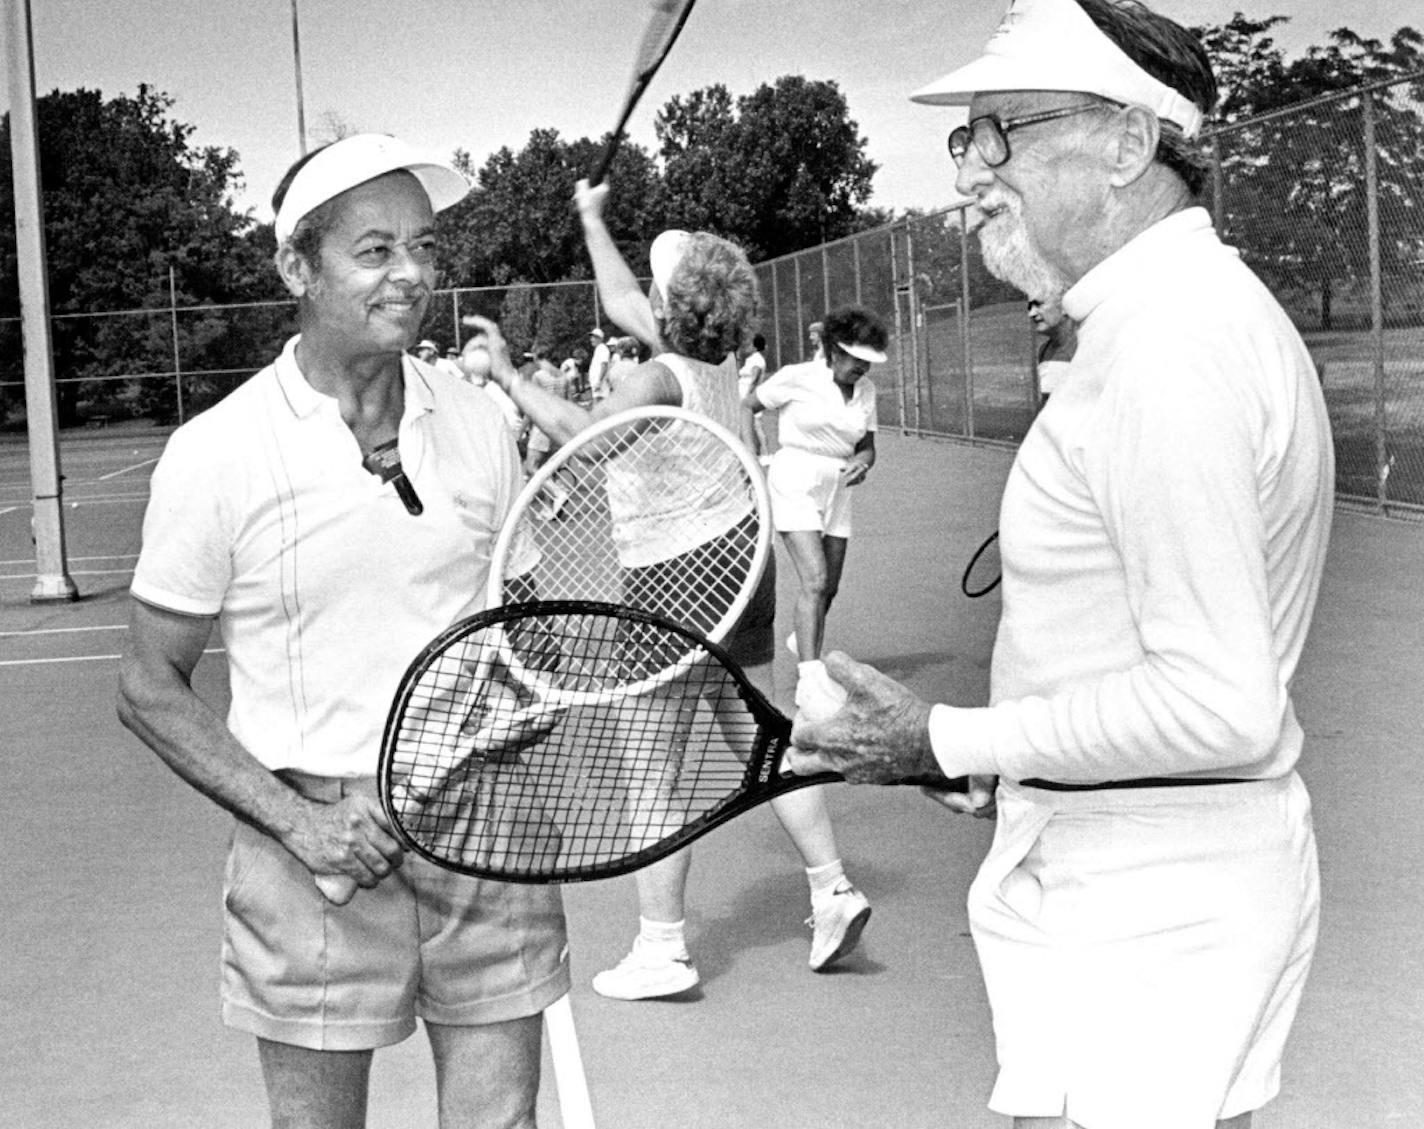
(125, 470)
(63, 630)
(75, 503)
(72, 572)
(74, 560)
(86, 659)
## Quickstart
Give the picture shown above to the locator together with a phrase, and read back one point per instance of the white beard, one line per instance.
(1009, 254)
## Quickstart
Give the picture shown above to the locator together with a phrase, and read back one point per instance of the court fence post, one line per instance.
(965, 338)
(52, 579)
(173, 326)
(1376, 302)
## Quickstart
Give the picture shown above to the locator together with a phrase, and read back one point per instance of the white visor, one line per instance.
(354, 160)
(664, 255)
(1053, 45)
(861, 352)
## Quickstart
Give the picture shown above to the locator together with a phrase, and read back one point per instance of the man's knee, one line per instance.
(488, 1076)
(311, 1089)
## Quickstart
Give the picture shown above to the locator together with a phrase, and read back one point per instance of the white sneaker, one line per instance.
(646, 974)
(836, 923)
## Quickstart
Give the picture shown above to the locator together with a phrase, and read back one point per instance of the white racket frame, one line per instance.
(603, 432)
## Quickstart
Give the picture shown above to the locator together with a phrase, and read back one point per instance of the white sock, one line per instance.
(662, 936)
(824, 879)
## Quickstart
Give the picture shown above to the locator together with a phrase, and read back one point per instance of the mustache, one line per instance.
(413, 294)
(978, 213)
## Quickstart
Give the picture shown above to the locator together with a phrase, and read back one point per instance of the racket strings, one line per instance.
(663, 521)
(490, 783)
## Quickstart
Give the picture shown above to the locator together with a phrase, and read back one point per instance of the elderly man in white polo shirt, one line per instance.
(1147, 913)
(333, 515)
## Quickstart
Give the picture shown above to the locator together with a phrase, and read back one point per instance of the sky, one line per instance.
(482, 74)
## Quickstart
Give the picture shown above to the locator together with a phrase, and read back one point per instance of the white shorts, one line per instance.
(1145, 951)
(807, 493)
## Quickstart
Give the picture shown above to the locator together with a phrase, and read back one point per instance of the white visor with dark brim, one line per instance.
(1054, 45)
(354, 160)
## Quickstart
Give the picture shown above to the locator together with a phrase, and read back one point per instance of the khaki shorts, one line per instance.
(426, 943)
(1145, 951)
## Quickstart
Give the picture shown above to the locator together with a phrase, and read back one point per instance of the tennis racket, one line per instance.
(655, 508)
(613, 776)
(984, 571)
(664, 25)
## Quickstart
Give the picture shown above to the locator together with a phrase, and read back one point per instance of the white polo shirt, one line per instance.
(814, 415)
(1163, 533)
(325, 587)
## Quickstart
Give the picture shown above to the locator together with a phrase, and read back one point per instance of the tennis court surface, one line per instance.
(109, 903)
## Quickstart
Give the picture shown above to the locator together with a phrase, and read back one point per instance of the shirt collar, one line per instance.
(304, 400)
(1127, 268)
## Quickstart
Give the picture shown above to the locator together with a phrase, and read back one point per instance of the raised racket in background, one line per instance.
(655, 508)
(611, 778)
(984, 570)
(664, 25)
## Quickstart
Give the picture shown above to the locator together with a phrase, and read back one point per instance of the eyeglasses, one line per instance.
(990, 135)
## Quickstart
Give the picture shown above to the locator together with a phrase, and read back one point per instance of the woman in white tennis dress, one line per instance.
(826, 429)
(695, 318)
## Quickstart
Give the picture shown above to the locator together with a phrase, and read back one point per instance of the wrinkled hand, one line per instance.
(880, 736)
(589, 199)
(350, 840)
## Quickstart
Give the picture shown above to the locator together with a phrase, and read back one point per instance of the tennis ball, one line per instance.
(475, 360)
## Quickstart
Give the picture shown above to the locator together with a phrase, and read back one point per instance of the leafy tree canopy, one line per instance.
(1294, 185)
(782, 169)
(127, 196)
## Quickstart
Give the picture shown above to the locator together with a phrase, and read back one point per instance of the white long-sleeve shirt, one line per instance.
(1163, 532)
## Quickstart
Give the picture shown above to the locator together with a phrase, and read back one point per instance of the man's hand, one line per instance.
(880, 736)
(977, 801)
(350, 837)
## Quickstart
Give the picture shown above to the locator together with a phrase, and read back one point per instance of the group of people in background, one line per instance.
(1146, 915)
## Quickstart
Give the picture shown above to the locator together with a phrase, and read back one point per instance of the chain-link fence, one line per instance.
(1325, 201)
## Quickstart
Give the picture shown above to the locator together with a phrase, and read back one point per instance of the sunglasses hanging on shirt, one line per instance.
(384, 462)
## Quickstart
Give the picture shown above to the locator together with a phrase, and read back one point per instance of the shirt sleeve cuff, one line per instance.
(962, 741)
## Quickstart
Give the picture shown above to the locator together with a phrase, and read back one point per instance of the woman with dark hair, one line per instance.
(826, 431)
(696, 318)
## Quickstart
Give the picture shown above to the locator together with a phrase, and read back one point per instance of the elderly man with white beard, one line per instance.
(1147, 913)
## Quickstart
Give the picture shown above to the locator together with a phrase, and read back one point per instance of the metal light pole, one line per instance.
(52, 580)
(297, 62)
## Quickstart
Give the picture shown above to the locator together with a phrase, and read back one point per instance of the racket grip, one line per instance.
(937, 782)
(338, 888)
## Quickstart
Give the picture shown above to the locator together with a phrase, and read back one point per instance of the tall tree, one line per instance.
(519, 223)
(1293, 184)
(782, 169)
(128, 198)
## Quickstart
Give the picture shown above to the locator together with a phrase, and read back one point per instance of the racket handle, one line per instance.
(338, 888)
(938, 783)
